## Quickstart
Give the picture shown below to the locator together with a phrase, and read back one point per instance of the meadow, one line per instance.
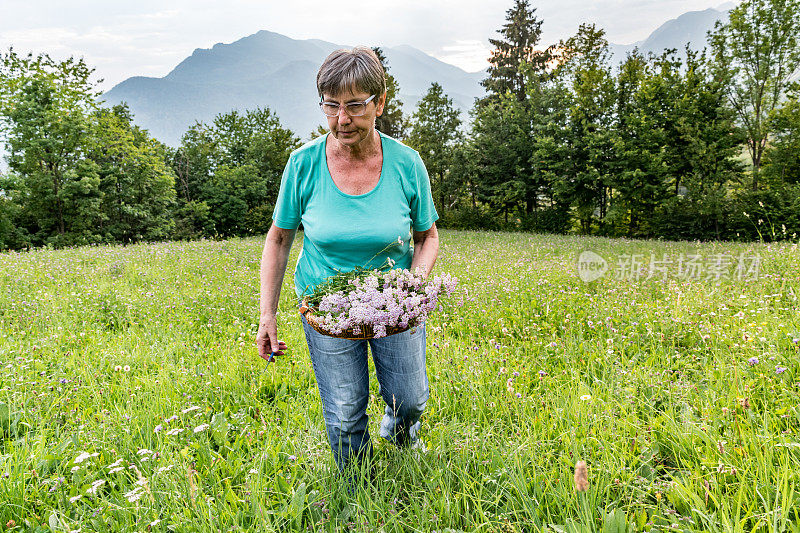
(132, 397)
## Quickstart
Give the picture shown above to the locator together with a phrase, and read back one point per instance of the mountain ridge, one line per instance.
(268, 69)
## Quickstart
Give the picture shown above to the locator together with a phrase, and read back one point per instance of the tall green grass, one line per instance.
(132, 398)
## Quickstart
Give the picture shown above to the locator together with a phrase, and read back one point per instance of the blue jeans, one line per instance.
(340, 366)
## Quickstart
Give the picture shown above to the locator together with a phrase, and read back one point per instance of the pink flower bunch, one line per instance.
(381, 300)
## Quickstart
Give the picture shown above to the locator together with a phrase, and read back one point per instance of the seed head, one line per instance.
(581, 477)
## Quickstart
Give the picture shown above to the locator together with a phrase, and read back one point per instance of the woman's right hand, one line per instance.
(267, 338)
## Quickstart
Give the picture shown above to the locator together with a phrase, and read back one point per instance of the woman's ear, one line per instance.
(380, 105)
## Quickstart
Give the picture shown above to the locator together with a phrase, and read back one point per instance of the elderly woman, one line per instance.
(355, 190)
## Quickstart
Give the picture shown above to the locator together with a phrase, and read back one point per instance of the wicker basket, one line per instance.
(366, 331)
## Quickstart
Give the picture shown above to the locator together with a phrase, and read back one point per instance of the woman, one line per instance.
(355, 191)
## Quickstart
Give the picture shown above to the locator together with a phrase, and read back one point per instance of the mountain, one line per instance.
(268, 69)
(690, 27)
(271, 70)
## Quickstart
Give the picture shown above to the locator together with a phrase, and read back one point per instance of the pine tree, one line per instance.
(515, 51)
(391, 122)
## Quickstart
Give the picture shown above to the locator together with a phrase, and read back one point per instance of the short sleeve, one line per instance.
(287, 211)
(423, 212)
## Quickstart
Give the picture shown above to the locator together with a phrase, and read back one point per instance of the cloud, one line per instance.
(470, 55)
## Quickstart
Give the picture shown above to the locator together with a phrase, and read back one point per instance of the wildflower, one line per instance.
(744, 403)
(586, 397)
(126, 368)
(96, 485)
(753, 361)
(83, 456)
(135, 494)
(399, 240)
(190, 409)
(292, 458)
(780, 369)
(201, 427)
(118, 368)
(144, 451)
(158, 428)
(116, 469)
(175, 431)
(542, 373)
(75, 498)
(518, 395)
(581, 477)
(390, 261)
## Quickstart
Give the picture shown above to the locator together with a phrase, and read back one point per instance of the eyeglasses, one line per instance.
(353, 109)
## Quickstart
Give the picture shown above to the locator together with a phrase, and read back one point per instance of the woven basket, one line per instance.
(366, 331)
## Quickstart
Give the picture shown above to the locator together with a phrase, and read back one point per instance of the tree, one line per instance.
(500, 128)
(137, 186)
(515, 51)
(434, 134)
(583, 68)
(757, 53)
(45, 116)
(391, 122)
(782, 155)
(230, 170)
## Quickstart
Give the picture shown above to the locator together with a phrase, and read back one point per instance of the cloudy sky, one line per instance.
(149, 37)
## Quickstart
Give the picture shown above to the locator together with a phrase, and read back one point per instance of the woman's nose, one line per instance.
(343, 116)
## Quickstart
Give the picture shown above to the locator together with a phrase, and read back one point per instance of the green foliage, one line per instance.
(45, 117)
(757, 52)
(136, 185)
(81, 174)
(234, 166)
(434, 134)
(514, 52)
(391, 122)
(582, 65)
(782, 155)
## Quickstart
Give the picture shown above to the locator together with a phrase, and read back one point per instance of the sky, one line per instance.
(150, 37)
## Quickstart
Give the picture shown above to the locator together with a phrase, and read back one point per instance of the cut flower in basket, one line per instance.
(364, 304)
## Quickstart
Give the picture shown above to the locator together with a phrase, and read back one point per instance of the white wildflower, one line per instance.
(83, 456)
(135, 494)
(96, 485)
(190, 409)
(201, 427)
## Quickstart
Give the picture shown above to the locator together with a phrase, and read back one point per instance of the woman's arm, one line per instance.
(426, 249)
(273, 267)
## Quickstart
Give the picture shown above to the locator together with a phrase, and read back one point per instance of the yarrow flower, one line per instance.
(397, 298)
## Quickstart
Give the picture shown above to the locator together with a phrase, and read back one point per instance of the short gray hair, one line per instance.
(346, 70)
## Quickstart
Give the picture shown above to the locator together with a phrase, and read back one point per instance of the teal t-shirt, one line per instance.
(345, 231)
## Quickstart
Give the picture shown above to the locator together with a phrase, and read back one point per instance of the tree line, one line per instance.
(703, 145)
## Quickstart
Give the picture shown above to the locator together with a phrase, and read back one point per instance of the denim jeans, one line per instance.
(340, 366)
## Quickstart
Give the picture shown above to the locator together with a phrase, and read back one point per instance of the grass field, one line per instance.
(131, 396)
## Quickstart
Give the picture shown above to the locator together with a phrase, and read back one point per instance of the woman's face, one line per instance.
(350, 131)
